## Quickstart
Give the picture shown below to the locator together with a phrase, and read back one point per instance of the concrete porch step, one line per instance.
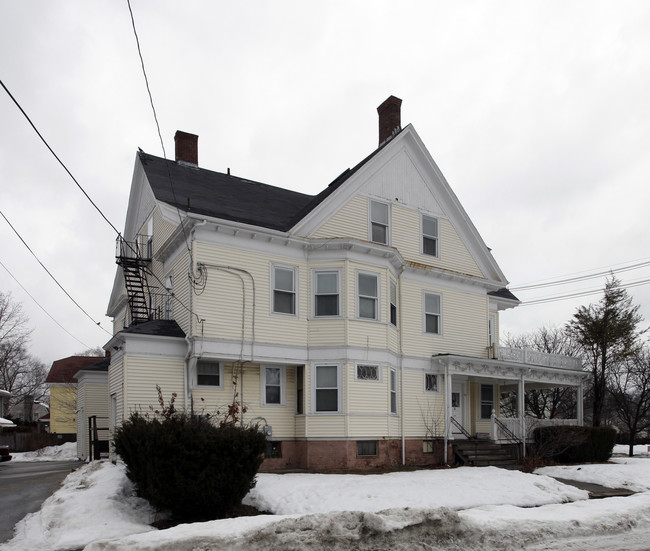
(481, 453)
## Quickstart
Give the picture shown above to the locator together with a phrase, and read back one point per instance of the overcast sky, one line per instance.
(537, 113)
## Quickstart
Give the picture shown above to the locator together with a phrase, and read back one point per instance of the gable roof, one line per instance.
(64, 370)
(231, 198)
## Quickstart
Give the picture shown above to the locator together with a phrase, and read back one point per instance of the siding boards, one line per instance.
(422, 410)
(351, 220)
(116, 386)
(144, 373)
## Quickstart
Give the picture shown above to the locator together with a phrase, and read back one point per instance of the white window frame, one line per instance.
(367, 364)
(283, 385)
(375, 298)
(315, 274)
(424, 236)
(392, 391)
(113, 421)
(169, 297)
(392, 305)
(379, 222)
(492, 330)
(149, 251)
(425, 313)
(437, 384)
(481, 401)
(196, 374)
(294, 272)
(314, 388)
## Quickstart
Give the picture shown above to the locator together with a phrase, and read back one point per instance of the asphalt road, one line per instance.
(24, 486)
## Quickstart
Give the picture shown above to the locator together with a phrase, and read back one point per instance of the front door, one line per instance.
(458, 408)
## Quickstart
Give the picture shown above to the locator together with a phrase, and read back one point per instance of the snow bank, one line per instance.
(96, 501)
(454, 488)
(631, 473)
(624, 449)
(64, 452)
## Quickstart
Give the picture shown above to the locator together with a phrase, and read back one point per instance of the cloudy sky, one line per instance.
(536, 112)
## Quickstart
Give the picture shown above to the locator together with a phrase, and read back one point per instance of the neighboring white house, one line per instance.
(92, 409)
(359, 326)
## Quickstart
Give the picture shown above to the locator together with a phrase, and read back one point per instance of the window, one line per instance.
(169, 287)
(367, 447)
(432, 313)
(393, 303)
(367, 372)
(113, 411)
(487, 401)
(149, 251)
(427, 446)
(367, 295)
(429, 236)
(326, 297)
(393, 391)
(492, 323)
(327, 388)
(209, 373)
(379, 226)
(300, 389)
(273, 449)
(273, 385)
(431, 382)
(284, 290)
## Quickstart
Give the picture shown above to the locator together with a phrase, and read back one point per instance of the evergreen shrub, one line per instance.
(187, 465)
(575, 444)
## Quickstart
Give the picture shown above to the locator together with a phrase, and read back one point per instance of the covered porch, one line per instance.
(473, 387)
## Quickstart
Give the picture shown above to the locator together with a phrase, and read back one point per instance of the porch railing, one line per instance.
(533, 357)
(504, 427)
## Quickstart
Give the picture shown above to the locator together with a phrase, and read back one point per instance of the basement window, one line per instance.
(273, 449)
(367, 448)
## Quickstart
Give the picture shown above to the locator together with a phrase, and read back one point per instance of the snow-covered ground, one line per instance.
(64, 452)
(464, 508)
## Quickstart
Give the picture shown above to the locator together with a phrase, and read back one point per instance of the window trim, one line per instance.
(294, 271)
(371, 221)
(367, 364)
(492, 330)
(359, 296)
(283, 385)
(196, 374)
(315, 274)
(392, 284)
(314, 388)
(424, 313)
(437, 378)
(424, 236)
(363, 442)
(392, 391)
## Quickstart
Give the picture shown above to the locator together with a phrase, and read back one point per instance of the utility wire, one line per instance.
(50, 274)
(544, 300)
(58, 159)
(41, 307)
(581, 278)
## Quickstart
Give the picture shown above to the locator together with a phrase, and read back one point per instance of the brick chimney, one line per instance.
(390, 121)
(187, 147)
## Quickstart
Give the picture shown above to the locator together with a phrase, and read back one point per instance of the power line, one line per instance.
(41, 307)
(50, 274)
(58, 159)
(556, 298)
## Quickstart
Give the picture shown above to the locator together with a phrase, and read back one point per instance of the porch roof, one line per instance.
(508, 371)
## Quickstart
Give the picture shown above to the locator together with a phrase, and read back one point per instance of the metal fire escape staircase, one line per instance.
(134, 257)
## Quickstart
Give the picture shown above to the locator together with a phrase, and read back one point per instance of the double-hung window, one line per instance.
(379, 222)
(393, 391)
(367, 287)
(487, 401)
(432, 322)
(284, 290)
(326, 296)
(209, 373)
(326, 389)
(430, 382)
(429, 235)
(273, 385)
(393, 303)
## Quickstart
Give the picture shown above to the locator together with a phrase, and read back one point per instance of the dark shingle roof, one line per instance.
(231, 198)
(63, 371)
(503, 293)
(102, 365)
(163, 328)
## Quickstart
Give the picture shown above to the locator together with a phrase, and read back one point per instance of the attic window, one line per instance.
(379, 222)
(429, 236)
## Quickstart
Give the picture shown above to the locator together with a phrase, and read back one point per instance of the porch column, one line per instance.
(521, 409)
(447, 409)
(581, 401)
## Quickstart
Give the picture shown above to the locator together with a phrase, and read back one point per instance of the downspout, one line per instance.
(189, 337)
(401, 369)
(447, 408)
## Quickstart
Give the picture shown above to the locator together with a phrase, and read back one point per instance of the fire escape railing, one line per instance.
(134, 257)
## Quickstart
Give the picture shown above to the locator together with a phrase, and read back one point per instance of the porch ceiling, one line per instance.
(508, 371)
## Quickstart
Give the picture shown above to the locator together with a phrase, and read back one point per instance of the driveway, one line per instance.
(25, 486)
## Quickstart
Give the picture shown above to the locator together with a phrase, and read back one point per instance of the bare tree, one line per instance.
(630, 390)
(20, 373)
(608, 334)
(544, 403)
